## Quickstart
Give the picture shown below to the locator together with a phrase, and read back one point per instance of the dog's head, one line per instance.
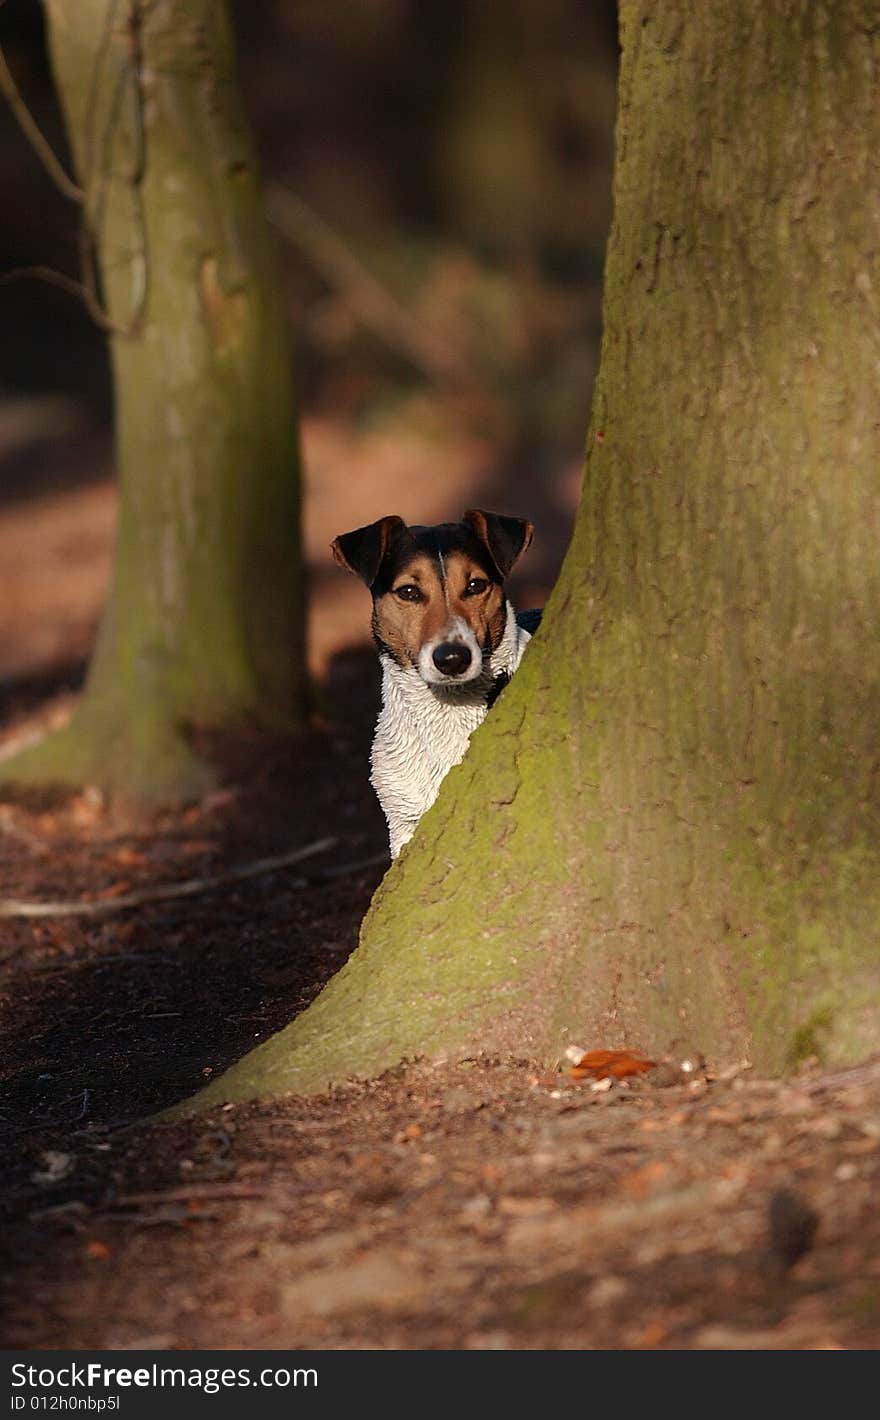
(438, 593)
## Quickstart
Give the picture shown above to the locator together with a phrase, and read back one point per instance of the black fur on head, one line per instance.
(377, 552)
(506, 538)
(364, 550)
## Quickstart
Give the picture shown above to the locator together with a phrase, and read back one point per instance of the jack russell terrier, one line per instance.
(448, 642)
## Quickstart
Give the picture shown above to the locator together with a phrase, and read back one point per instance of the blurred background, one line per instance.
(439, 176)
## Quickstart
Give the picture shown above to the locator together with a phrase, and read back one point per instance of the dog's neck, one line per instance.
(423, 730)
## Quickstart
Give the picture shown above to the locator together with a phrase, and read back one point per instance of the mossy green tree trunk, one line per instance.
(204, 625)
(668, 829)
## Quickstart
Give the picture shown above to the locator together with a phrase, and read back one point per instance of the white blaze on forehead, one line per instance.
(458, 633)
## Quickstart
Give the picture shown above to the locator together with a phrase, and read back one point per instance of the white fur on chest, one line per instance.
(423, 730)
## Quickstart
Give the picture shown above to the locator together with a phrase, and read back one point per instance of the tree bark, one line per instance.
(667, 832)
(205, 620)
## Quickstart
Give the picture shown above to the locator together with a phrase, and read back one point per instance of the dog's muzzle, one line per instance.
(452, 658)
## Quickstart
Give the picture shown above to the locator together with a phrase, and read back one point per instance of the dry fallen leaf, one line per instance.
(406, 1135)
(654, 1334)
(548, 1081)
(118, 889)
(198, 847)
(640, 1182)
(130, 857)
(517, 1207)
(610, 1064)
(87, 808)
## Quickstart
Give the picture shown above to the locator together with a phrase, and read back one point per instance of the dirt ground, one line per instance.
(475, 1204)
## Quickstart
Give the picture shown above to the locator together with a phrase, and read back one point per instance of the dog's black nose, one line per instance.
(452, 658)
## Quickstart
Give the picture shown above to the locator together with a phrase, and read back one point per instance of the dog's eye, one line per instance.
(476, 586)
(408, 593)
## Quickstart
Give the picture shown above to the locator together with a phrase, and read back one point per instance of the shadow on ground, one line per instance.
(109, 1019)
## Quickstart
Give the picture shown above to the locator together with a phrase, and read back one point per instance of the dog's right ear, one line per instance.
(363, 550)
(505, 538)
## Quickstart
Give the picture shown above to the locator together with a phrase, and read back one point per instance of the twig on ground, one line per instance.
(862, 1072)
(90, 196)
(176, 1213)
(191, 887)
(189, 1193)
(14, 830)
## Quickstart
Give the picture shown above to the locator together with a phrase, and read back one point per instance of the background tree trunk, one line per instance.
(205, 620)
(667, 831)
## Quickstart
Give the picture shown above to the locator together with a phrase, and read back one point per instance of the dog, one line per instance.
(448, 642)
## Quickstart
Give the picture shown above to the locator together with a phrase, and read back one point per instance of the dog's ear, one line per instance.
(363, 550)
(506, 538)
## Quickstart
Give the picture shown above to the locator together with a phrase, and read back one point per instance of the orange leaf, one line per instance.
(130, 857)
(610, 1064)
(654, 1334)
(642, 1181)
(118, 889)
(405, 1136)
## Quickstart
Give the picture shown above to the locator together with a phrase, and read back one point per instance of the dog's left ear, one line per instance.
(506, 538)
(363, 550)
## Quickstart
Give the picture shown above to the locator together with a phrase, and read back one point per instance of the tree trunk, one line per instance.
(205, 621)
(667, 831)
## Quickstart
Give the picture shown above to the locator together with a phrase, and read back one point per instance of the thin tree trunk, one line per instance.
(205, 619)
(667, 832)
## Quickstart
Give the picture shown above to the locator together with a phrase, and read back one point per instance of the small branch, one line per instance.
(865, 1070)
(189, 1193)
(87, 289)
(176, 1213)
(73, 288)
(191, 887)
(40, 144)
(372, 303)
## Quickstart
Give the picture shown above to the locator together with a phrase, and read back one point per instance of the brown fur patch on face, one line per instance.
(427, 594)
(402, 624)
(476, 599)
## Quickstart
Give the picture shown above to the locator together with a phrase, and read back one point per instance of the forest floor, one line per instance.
(479, 1203)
